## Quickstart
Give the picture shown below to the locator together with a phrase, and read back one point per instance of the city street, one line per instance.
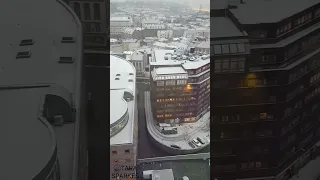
(145, 146)
(98, 123)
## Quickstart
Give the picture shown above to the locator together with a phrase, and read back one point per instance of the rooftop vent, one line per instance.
(24, 54)
(26, 42)
(130, 80)
(118, 75)
(117, 78)
(67, 60)
(130, 73)
(67, 40)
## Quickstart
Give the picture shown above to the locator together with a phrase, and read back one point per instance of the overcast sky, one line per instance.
(192, 3)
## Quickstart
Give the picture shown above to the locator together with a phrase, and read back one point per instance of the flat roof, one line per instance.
(25, 138)
(262, 11)
(118, 106)
(27, 141)
(224, 27)
(186, 64)
(169, 70)
(192, 168)
(164, 174)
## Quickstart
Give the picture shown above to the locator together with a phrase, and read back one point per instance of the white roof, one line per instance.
(195, 64)
(120, 18)
(118, 106)
(170, 70)
(262, 11)
(159, 60)
(27, 143)
(224, 28)
(164, 174)
(204, 44)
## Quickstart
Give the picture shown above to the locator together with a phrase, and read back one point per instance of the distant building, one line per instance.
(151, 27)
(119, 24)
(180, 87)
(203, 47)
(167, 34)
(123, 118)
(137, 59)
(132, 33)
(178, 31)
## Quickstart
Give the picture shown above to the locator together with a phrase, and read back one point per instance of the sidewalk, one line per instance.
(186, 131)
(311, 171)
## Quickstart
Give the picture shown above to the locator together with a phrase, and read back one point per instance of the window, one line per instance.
(225, 65)
(127, 151)
(181, 82)
(87, 15)
(317, 13)
(217, 65)
(241, 48)
(233, 48)
(241, 63)
(77, 9)
(97, 27)
(114, 152)
(96, 11)
(170, 82)
(217, 49)
(234, 64)
(225, 49)
(160, 83)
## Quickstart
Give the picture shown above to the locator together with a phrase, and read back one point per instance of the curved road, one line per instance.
(145, 147)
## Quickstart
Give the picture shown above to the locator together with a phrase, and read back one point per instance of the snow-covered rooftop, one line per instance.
(170, 70)
(124, 71)
(224, 28)
(159, 60)
(204, 44)
(262, 11)
(120, 18)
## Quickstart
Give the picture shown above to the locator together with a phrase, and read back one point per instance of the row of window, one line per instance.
(314, 78)
(290, 109)
(286, 128)
(299, 72)
(312, 94)
(170, 89)
(177, 99)
(243, 166)
(229, 65)
(87, 11)
(127, 151)
(171, 82)
(301, 45)
(92, 27)
(171, 115)
(229, 48)
(199, 70)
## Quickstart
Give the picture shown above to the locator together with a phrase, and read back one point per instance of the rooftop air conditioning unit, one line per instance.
(26, 42)
(58, 120)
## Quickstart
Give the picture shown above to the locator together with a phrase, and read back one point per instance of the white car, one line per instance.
(196, 142)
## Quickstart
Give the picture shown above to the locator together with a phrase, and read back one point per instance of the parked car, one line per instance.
(196, 142)
(191, 144)
(200, 140)
(175, 146)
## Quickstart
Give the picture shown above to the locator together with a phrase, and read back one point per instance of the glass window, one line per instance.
(241, 48)
(225, 64)
(233, 48)
(87, 15)
(96, 11)
(317, 13)
(217, 65)
(170, 82)
(217, 49)
(225, 49)
(241, 63)
(160, 83)
(77, 9)
(234, 64)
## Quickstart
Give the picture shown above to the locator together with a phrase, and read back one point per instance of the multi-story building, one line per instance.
(43, 134)
(167, 34)
(265, 102)
(94, 16)
(123, 119)
(179, 88)
(118, 24)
